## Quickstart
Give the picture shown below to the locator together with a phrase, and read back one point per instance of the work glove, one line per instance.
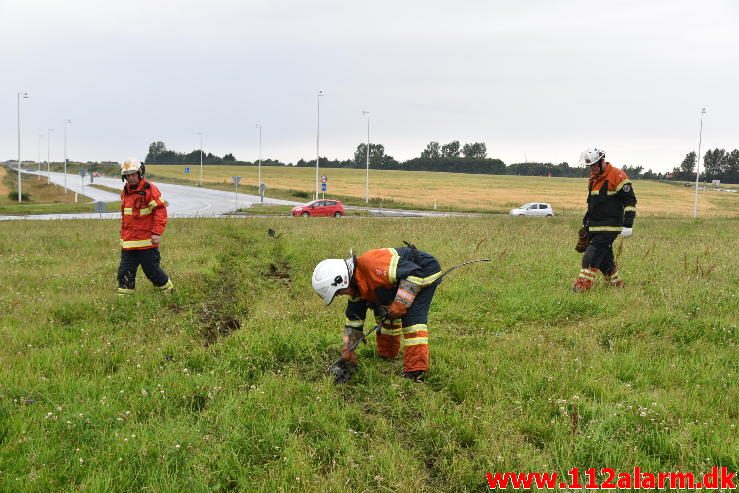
(583, 240)
(404, 298)
(626, 232)
(397, 310)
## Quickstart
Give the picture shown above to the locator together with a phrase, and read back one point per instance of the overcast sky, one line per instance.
(535, 79)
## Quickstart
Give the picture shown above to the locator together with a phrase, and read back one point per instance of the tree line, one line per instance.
(717, 164)
(453, 157)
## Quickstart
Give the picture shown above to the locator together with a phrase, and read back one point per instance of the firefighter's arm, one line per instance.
(404, 298)
(159, 211)
(356, 312)
(628, 199)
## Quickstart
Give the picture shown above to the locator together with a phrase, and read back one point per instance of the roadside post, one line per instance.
(236, 180)
(187, 170)
(83, 172)
(100, 207)
(262, 189)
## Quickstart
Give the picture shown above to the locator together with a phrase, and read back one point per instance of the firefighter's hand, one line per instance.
(397, 310)
(155, 239)
(626, 232)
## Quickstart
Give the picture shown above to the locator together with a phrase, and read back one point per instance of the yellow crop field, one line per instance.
(459, 191)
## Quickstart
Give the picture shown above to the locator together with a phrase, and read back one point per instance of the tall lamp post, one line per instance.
(698, 171)
(366, 179)
(48, 153)
(201, 158)
(25, 96)
(65, 154)
(318, 138)
(38, 150)
(259, 186)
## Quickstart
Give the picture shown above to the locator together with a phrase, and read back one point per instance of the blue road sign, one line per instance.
(187, 170)
(323, 187)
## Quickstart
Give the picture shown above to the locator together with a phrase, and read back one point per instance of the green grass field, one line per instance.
(221, 387)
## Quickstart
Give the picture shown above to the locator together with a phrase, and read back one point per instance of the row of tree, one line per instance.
(468, 158)
(159, 154)
(718, 164)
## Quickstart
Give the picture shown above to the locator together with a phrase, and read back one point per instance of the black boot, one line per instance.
(416, 376)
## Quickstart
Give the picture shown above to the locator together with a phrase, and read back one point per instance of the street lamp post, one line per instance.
(48, 153)
(201, 158)
(366, 179)
(38, 150)
(25, 96)
(65, 154)
(318, 138)
(698, 170)
(259, 166)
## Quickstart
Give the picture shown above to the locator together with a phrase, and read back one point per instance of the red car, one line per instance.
(322, 207)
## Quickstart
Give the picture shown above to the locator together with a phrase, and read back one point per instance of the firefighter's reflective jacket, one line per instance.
(377, 274)
(611, 201)
(143, 213)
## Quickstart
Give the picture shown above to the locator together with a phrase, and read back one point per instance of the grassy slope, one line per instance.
(44, 198)
(101, 394)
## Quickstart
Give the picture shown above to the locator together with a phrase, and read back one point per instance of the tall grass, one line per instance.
(222, 386)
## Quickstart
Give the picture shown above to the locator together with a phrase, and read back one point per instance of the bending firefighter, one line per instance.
(611, 211)
(143, 219)
(398, 285)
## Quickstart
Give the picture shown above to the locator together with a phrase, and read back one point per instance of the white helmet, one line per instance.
(331, 275)
(132, 165)
(591, 155)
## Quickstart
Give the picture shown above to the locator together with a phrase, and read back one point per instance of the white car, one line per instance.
(533, 209)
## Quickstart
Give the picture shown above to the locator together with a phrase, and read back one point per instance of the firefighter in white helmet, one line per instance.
(398, 284)
(611, 212)
(143, 219)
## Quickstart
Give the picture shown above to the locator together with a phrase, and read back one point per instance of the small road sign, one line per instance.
(83, 172)
(236, 180)
(99, 207)
(323, 187)
(324, 178)
(187, 170)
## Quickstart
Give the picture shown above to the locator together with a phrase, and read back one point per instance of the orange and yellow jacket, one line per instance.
(143, 213)
(377, 274)
(611, 201)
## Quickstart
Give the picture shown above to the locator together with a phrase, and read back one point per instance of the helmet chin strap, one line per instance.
(599, 166)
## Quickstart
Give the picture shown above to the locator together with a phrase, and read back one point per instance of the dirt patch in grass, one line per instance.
(219, 314)
(279, 272)
(216, 323)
